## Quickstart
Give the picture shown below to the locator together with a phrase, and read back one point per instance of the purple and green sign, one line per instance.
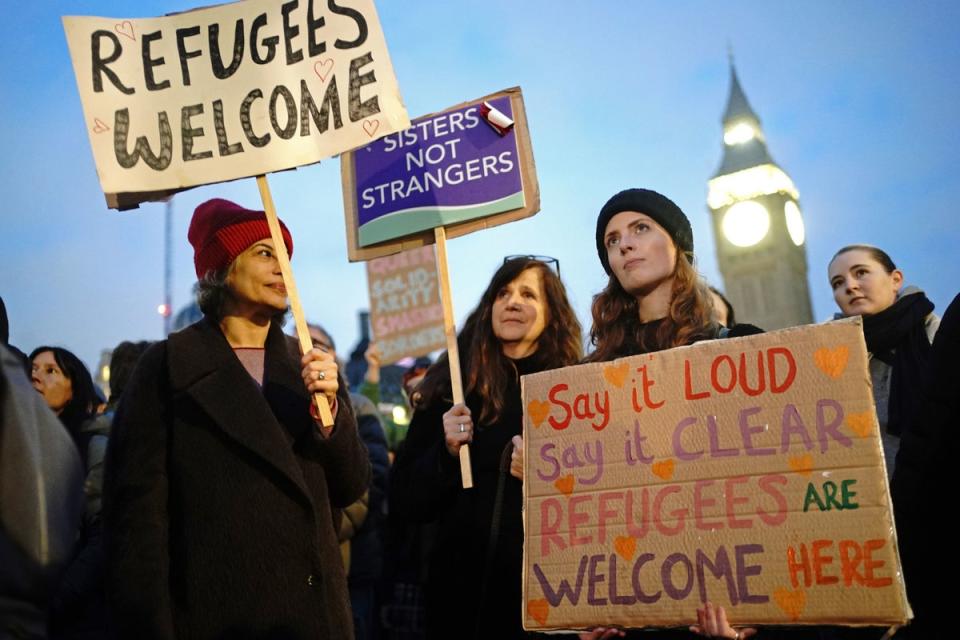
(445, 169)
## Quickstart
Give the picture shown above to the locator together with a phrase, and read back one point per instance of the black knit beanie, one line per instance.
(659, 207)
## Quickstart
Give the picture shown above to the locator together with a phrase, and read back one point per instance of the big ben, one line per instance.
(757, 224)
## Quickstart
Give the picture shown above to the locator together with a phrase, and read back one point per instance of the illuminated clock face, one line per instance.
(794, 222)
(746, 223)
(739, 133)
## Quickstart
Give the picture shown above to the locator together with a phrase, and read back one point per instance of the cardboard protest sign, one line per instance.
(230, 91)
(747, 472)
(457, 169)
(405, 308)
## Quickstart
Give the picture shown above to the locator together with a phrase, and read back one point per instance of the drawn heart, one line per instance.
(832, 362)
(860, 423)
(125, 28)
(616, 374)
(99, 126)
(323, 68)
(663, 469)
(538, 610)
(792, 602)
(371, 126)
(538, 411)
(565, 484)
(625, 546)
(802, 464)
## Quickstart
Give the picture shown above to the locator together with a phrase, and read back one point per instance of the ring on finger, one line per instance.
(322, 375)
(462, 429)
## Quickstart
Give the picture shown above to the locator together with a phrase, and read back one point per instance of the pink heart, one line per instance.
(371, 126)
(125, 28)
(99, 126)
(323, 68)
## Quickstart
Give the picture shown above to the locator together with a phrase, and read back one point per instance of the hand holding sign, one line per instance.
(516, 458)
(712, 623)
(457, 428)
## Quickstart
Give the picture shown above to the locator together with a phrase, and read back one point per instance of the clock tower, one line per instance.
(757, 224)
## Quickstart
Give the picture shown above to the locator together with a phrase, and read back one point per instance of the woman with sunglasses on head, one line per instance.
(523, 324)
(223, 488)
(654, 300)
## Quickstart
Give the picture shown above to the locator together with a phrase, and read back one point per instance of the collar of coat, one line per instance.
(272, 421)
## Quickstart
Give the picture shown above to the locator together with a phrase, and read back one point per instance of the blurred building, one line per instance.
(757, 224)
(101, 377)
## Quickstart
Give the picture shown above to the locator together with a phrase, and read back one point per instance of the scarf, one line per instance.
(898, 337)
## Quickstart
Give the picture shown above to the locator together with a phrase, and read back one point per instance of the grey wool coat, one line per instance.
(221, 499)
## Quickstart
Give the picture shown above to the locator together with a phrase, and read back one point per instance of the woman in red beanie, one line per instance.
(222, 490)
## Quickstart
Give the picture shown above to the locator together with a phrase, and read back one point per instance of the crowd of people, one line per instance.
(208, 499)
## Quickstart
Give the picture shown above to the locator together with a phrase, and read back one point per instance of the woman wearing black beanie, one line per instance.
(654, 300)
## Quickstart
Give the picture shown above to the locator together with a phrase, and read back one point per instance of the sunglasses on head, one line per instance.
(553, 263)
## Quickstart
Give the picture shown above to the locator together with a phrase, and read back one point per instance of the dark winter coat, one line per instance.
(220, 497)
(77, 611)
(924, 485)
(40, 502)
(425, 486)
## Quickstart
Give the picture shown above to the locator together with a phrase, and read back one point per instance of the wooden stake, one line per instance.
(303, 333)
(453, 353)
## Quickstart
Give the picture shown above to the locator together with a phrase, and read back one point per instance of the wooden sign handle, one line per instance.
(303, 333)
(453, 353)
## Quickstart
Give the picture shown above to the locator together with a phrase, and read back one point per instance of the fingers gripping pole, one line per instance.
(453, 354)
(303, 334)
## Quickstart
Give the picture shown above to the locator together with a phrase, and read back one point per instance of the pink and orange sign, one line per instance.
(747, 472)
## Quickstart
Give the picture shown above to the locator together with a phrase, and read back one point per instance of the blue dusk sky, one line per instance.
(859, 103)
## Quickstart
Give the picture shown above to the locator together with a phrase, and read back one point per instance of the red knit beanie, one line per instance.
(221, 230)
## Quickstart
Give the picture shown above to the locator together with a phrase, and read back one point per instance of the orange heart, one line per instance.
(538, 411)
(371, 126)
(663, 469)
(860, 423)
(323, 68)
(802, 464)
(832, 362)
(99, 126)
(565, 484)
(538, 610)
(625, 546)
(792, 602)
(616, 374)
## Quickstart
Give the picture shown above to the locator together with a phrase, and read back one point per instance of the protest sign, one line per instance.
(405, 308)
(457, 169)
(747, 472)
(230, 91)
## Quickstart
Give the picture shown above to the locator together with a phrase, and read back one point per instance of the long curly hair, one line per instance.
(486, 371)
(616, 316)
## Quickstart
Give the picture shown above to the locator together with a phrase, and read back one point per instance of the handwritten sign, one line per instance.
(231, 91)
(452, 169)
(747, 471)
(405, 308)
